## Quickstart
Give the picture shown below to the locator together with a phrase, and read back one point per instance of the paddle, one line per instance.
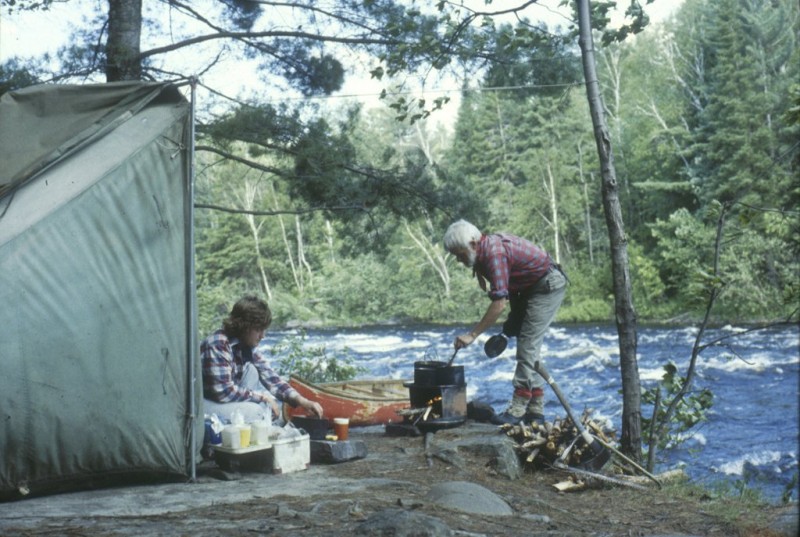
(601, 455)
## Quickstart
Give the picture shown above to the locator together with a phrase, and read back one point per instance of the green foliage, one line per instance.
(689, 412)
(312, 363)
(756, 270)
(514, 162)
(589, 296)
(684, 248)
(14, 76)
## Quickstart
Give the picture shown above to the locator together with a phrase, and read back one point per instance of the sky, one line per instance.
(33, 34)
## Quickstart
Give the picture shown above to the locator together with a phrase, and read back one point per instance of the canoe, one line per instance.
(364, 402)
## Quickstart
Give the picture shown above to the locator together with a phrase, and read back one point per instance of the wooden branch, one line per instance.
(271, 34)
(600, 477)
(628, 460)
(664, 477)
(276, 213)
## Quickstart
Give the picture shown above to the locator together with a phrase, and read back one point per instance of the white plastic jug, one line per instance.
(237, 418)
(260, 433)
(231, 437)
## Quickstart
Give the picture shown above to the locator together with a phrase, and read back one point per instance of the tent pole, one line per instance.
(191, 291)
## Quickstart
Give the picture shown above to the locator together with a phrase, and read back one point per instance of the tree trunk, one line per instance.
(295, 271)
(302, 262)
(248, 201)
(587, 213)
(433, 254)
(554, 213)
(625, 316)
(123, 61)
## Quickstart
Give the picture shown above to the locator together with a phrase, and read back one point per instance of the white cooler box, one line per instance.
(291, 454)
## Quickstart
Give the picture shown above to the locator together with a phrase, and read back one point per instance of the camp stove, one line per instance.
(438, 395)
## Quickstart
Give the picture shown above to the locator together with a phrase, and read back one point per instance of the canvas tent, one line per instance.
(97, 376)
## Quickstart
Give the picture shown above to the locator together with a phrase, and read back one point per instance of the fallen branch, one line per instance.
(599, 477)
(628, 460)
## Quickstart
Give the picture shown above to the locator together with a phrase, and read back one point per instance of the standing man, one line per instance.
(236, 376)
(523, 275)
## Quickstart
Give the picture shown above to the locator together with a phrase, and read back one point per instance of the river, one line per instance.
(749, 439)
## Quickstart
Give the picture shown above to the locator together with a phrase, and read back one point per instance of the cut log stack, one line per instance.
(557, 441)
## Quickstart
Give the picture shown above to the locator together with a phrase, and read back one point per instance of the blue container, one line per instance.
(210, 436)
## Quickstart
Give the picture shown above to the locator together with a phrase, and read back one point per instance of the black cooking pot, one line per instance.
(316, 428)
(425, 373)
(433, 373)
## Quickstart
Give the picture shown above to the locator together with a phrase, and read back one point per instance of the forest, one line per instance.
(703, 111)
(334, 211)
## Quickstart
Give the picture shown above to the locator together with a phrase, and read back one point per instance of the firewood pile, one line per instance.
(554, 442)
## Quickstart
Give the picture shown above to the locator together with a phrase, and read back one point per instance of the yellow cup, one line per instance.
(244, 434)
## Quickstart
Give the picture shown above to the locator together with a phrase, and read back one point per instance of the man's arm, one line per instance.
(493, 313)
(281, 389)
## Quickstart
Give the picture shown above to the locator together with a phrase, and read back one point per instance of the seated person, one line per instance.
(236, 376)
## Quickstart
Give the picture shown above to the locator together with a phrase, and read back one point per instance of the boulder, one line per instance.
(326, 451)
(400, 523)
(468, 498)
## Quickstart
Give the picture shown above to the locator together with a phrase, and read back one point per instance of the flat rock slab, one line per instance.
(468, 498)
(327, 451)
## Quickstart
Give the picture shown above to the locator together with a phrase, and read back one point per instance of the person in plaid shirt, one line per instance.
(523, 275)
(236, 376)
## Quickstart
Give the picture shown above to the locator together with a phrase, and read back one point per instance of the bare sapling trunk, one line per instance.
(625, 315)
(660, 427)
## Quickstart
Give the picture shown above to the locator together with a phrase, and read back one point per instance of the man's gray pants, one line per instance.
(543, 304)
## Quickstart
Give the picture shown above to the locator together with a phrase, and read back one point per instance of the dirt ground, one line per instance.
(602, 510)
(397, 475)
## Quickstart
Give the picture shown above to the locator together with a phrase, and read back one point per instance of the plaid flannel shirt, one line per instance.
(510, 264)
(223, 365)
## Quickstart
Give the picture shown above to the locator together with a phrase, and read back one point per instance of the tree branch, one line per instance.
(269, 34)
(279, 212)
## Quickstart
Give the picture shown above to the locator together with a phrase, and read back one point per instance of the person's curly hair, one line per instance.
(248, 312)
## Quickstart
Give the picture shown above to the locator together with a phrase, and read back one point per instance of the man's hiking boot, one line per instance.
(515, 412)
(531, 418)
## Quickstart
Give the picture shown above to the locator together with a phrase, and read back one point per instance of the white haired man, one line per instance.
(523, 275)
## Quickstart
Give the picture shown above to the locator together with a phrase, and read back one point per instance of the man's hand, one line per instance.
(311, 406)
(463, 340)
(276, 409)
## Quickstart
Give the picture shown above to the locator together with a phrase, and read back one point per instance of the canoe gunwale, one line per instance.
(336, 389)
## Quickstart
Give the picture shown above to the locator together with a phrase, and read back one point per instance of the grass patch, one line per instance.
(732, 503)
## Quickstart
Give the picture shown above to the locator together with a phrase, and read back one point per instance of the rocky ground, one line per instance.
(397, 490)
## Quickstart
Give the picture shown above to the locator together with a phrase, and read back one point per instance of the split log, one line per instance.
(558, 443)
(410, 411)
(597, 431)
(536, 442)
(569, 486)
